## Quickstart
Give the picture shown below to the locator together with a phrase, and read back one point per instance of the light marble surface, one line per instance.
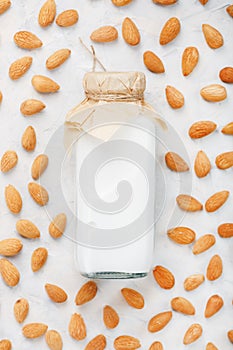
(60, 267)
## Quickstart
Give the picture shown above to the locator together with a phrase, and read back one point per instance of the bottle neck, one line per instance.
(112, 97)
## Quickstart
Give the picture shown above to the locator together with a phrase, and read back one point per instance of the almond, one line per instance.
(57, 226)
(97, 343)
(224, 160)
(67, 18)
(47, 13)
(34, 330)
(55, 293)
(104, 34)
(175, 162)
(211, 346)
(27, 40)
(228, 129)
(54, 340)
(174, 97)
(214, 304)
(8, 161)
(226, 75)
(188, 203)
(57, 58)
(110, 317)
(165, 2)
(20, 67)
(216, 201)
(9, 272)
(38, 259)
(203, 243)
(153, 62)
(126, 342)
(44, 84)
(1, 97)
(169, 31)
(133, 298)
(214, 268)
(32, 106)
(225, 230)
(130, 32)
(29, 139)
(159, 321)
(21, 309)
(183, 306)
(214, 93)
(77, 327)
(193, 333)
(86, 293)
(190, 59)
(230, 335)
(5, 344)
(203, 2)
(156, 346)
(229, 10)
(4, 6)
(194, 281)
(202, 164)
(38, 193)
(121, 2)
(163, 277)
(13, 199)
(181, 235)
(39, 165)
(10, 246)
(27, 229)
(212, 36)
(201, 129)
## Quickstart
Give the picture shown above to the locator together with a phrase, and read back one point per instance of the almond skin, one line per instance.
(225, 230)
(39, 165)
(97, 343)
(224, 160)
(226, 75)
(169, 31)
(77, 327)
(32, 106)
(216, 201)
(190, 59)
(201, 129)
(183, 306)
(212, 36)
(27, 40)
(181, 235)
(153, 62)
(10, 246)
(57, 226)
(214, 304)
(214, 93)
(228, 129)
(38, 193)
(86, 293)
(28, 140)
(229, 10)
(174, 97)
(39, 258)
(34, 330)
(13, 199)
(44, 84)
(202, 164)
(130, 32)
(1, 97)
(175, 163)
(9, 272)
(104, 34)
(133, 298)
(5, 344)
(194, 281)
(159, 321)
(21, 309)
(156, 346)
(203, 2)
(57, 58)
(54, 340)
(67, 18)
(27, 229)
(8, 161)
(188, 203)
(214, 268)
(110, 317)
(230, 335)
(163, 277)
(4, 6)
(55, 293)
(126, 342)
(211, 346)
(47, 13)
(119, 3)
(203, 243)
(165, 2)
(193, 333)
(20, 67)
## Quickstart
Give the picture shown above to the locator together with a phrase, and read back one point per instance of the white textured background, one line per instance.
(118, 55)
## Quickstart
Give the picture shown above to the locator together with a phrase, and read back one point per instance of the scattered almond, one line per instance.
(57, 226)
(214, 304)
(214, 93)
(133, 298)
(29, 139)
(77, 327)
(163, 277)
(13, 199)
(214, 268)
(175, 162)
(211, 346)
(202, 164)
(97, 343)
(38, 193)
(165, 2)
(54, 340)
(4, 6)
(201, 129)
(67, 18)
(183, 306)
(203, 2)
(32, 106)
(216, 201)
(34, 330)
(21, 309)
(193, 333)
(110, 317)
(224, 160)
(39, 165)
(159, 321)
(228, 129)
(57, 58)
(5, 344)
(121, 2)
(212, 36)
(104, 34)
(27, 40)
(194, 281)
(55, 293)
(9, 272)
(226, 75)
(153, 62)
(44, 84)
(230, 335)
(8, 161)
(169, 31)
(181, 235)
(47, 13)
(20, 67)
(1, 97)
(27, 229)
(225, 230)
(126, 342)
(190, 59)
(174, 97)
(38, 259)
(10, 246)
(203, 243)
(130, 32)
(86, 293)
(188, 203)
(156, 346)
(229, 10)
